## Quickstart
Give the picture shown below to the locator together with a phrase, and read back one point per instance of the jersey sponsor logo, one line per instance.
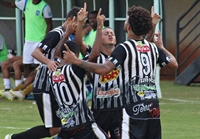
(143, 88)
(139, 108)
(142, 48)
(108, 93)
(151, 108)
(110, 76)
(58, 77)
(146, 95)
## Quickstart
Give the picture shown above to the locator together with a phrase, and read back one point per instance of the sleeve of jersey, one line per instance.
(47, 13)
(21, 4)
(118, 55)
(50, 41)
(163, 59)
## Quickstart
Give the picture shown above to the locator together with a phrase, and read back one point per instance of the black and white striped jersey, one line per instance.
(137, 61)
(48, 44)
(70, 92)
(106, 89)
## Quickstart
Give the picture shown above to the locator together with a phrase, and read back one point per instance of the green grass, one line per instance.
(180, 112)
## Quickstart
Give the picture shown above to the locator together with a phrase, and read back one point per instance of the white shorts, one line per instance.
(27, 51)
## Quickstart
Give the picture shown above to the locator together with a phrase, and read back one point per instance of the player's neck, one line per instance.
(36, 1)
(107, 50)
(131, 35)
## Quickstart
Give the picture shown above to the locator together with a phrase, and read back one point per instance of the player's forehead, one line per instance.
(108, 30)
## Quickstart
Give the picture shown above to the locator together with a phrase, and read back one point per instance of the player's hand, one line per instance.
(82, 14)
(71, 26)
(100, 18)
(52, 65)
(155, 16)
(69, 55)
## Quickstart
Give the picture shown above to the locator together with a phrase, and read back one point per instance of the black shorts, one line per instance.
(141, 121)
(109, 121)
(90, 131)
(47, 107)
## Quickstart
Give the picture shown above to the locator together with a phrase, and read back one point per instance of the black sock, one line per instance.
(36, 132)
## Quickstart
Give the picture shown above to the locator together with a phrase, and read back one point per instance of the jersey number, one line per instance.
(145, 63)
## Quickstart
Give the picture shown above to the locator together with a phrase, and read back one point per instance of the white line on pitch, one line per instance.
(180, 100)
(5, 108)
(10, 127)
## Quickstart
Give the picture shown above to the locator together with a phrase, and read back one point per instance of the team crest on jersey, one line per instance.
(141, 47)
(37, 12)
(58, 77)
(110, 76)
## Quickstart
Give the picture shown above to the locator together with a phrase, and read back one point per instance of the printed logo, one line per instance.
(145, 88)
(142, 48)
(108, 93)
(67, 116)
(154, 112)
(37, 12)
(110, 76)
(58, 77)
(139, 108)
(49, 14)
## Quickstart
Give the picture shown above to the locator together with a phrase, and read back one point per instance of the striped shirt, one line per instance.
(106, 91)
(48, 44)
(137, 61)
(70, 92)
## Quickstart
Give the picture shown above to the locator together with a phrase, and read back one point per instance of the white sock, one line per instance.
(17, 82)
(24, 79)
(6, 83)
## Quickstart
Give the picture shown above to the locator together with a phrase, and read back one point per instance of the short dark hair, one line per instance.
(140, 20)
(73, 12)
(73, 46)
(94, 12)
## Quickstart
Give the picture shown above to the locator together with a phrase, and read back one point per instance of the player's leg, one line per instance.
(5, 66)
(17, 66)
(25, 87)
(47, 112)
(115, 124)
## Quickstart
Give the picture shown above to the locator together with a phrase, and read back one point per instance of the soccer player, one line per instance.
(70, 92)
(106, 99)
(136, 59)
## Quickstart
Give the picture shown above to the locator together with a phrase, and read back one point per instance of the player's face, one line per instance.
(93, 20)
(108, 37)
(126, 25)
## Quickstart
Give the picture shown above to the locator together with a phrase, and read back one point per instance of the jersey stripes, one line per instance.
(41, 82)
(106, 91)
(138, 70)
(70, 93)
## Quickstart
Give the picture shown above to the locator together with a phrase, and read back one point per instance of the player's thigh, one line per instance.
(6, 64)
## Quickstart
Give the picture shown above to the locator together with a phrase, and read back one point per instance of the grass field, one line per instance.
(180, 112)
